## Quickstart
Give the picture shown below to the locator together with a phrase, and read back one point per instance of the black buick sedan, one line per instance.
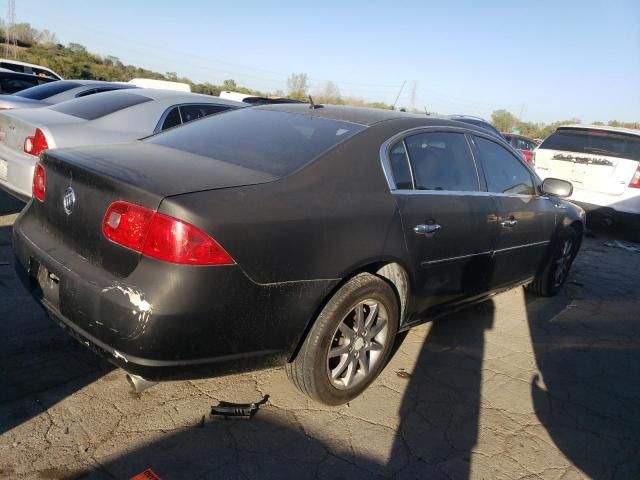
(286, 235)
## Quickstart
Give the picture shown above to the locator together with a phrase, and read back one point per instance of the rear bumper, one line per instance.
(626, 219)
(626, 203)
(167, 321)
(19, 175)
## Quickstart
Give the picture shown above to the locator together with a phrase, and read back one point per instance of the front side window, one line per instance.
(442, 161)
(503, 172)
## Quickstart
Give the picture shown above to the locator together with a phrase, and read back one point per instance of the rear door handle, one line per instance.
(512, 222)
(426, 229)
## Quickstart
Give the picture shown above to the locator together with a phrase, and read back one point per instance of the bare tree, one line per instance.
(46, 37)
(298, 86)
(330, 93)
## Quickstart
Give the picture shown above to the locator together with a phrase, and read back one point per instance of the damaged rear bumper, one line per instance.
(167, 321)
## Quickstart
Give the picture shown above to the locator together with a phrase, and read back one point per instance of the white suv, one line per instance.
(603, 163)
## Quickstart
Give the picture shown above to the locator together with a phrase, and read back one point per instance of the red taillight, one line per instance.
(635, 181)
(39, 182)
(35, 144)
(162, 237)
(528, 155)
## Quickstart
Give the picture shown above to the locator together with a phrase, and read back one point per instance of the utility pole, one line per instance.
(10, 42)
(393, 107)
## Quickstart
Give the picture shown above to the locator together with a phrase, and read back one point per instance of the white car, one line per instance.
(30, 68)
(603, 163)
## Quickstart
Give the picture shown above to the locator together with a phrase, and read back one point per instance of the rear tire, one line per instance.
(349, 343)
(554, 272)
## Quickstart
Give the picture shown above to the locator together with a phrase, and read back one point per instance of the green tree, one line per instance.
(504, 120)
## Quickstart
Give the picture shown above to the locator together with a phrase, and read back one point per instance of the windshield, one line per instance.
(269, 141)
(601, 142)
(48, 90)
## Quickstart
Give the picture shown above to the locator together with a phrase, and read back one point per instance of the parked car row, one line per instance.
(121, 115)
(300, 235)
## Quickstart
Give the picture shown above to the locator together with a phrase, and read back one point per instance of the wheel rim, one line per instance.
(563, 263)
(358, 344)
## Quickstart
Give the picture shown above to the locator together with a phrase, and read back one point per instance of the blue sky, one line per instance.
(542, 60)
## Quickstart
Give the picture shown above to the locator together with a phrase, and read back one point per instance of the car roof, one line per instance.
(175, 96)
(604, 128)
(360, 115)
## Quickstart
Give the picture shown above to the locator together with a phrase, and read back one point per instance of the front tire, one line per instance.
(551, 277)
(349, 343)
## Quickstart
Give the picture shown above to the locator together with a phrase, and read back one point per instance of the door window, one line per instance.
(442, 161)
(503, 172)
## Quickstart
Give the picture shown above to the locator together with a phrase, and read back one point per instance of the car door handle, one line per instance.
(510, 223)
(426, 229)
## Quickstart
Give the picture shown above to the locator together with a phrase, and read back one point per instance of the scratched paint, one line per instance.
(141, 311)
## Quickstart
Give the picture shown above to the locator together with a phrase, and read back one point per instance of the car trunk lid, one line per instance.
(138, 173)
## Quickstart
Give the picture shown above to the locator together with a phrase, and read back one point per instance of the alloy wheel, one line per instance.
(563, 263)
(358, 344)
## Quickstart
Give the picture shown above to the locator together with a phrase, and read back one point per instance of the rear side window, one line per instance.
(273, 142)
(601, 142)
(13, 85)
(194, 112)
(48, 90)
(503, 172)
(99, 105)
(172, 119)
(12, 66)
(442, 161)
(399, 162)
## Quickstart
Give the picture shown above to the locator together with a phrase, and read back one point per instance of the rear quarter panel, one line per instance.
(323, 222)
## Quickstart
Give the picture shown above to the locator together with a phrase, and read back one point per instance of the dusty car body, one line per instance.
(312, 238)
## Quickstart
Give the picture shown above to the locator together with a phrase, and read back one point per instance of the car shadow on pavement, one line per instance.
(586, 343)
(439, 418)
(40, 364)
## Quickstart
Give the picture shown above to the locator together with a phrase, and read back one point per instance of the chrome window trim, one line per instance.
(534, 244)
(451, 259)
(386, 146)
(488, 252)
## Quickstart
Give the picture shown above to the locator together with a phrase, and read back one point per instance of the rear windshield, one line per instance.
(99, 104)
(49, 90)
(594, 141)
(273, 142)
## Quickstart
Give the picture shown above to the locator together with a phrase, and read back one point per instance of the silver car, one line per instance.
(110, 117)
(56, 92)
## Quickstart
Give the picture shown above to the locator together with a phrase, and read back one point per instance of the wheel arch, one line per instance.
(390, 270)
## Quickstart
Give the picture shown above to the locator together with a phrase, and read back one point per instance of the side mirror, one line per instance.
(556, 187)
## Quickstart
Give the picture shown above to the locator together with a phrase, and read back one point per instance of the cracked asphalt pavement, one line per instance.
(519, 387)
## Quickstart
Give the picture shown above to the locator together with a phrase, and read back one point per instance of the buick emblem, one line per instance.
(69, 200)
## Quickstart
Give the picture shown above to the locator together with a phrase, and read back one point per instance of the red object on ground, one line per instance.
(148, 474)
